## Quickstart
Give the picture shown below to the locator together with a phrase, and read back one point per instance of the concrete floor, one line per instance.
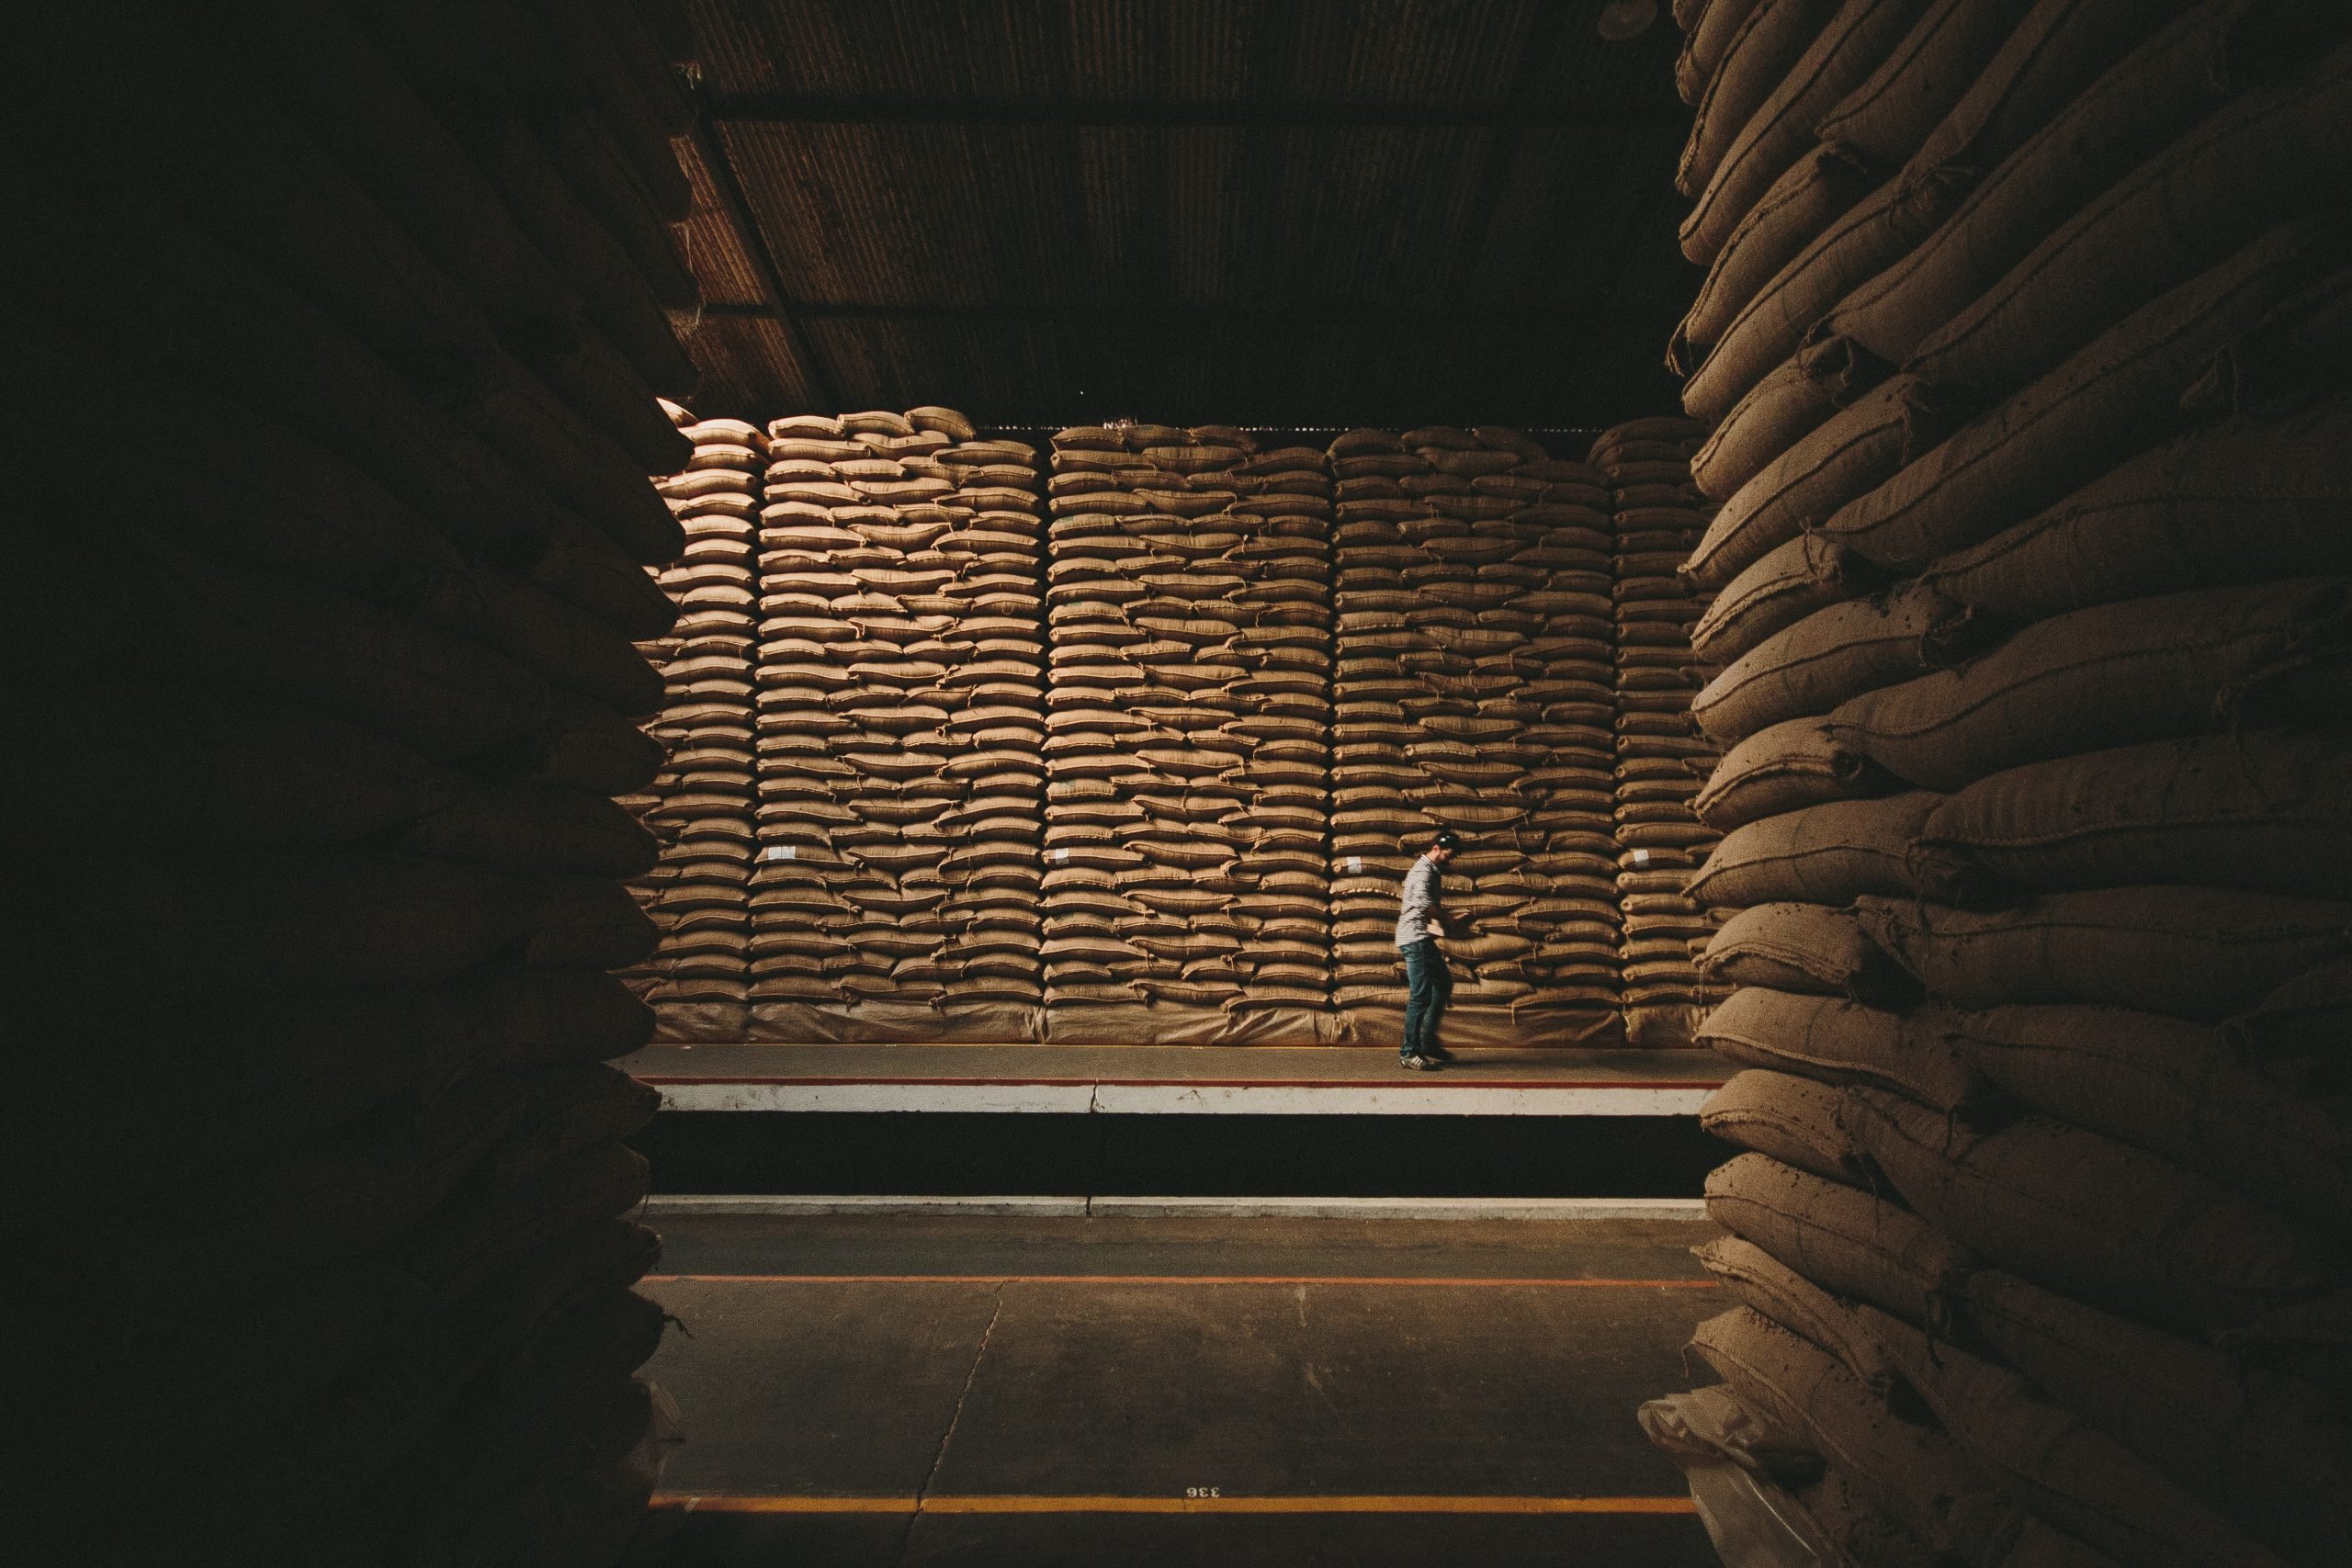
(1100, 1391)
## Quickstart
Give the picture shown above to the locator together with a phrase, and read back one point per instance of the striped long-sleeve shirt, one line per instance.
(1413, 920)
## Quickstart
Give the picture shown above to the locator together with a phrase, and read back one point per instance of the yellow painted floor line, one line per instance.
(726, 1504)
(1170, 1280)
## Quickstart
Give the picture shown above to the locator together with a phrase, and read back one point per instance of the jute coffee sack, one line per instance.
(1189, 606)
(2200, 952)
(1845, 650)
(1740, 72)
(1796, 1120)
(1850, 1241)
(1474, 693)
(2209, 56)
(2112, 675)
(901, 731)
(2092, 1217)
(2263, 1450)
(2052, 55)
(1849, 47)
(2264, 810)
(2097, 408)
(1776, 591)
(1756, 1279)
(1785, 767)
(1830, 853)
(2177, 516)
(1837, 1040)
(2181, 1090)
(1852, 452)
(2055, 1462)
(1810, 949)
(1911, 1470)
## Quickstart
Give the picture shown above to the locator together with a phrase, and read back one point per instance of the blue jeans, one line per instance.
(1427, 987)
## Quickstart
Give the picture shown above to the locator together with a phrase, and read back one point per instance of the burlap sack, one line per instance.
(2192, 953)
(2109, 676)
(1848, 1241)
(2069, 1472)
(2091, 1217)
(2083, 131)
(1851, 45)
(1922, 1054)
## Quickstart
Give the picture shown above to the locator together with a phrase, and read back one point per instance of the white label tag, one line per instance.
(1062, 854)
(784, 851)
(1641, 857)
(1355, 862)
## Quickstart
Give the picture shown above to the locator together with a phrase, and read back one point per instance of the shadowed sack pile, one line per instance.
(2034, 630)
(319, 1251)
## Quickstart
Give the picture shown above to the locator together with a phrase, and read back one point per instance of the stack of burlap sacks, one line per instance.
(1657, 516)
(2035, 450)
(901, 697)
(1187, 807)
(316, 1240)
(1475, 692)
(702, 807)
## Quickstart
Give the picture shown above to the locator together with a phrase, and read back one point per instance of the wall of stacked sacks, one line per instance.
(857, 712)
(327, 1178)
(702, 808)
(1473, 692)
(1186, 889)
(1150, 776)
(1656, 515)
(2024, 345)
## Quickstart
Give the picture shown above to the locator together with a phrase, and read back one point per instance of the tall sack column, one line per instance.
(2031, 596)
(1472, 696)
(1662, 759)
(1185, 886)
(901, 723)
(702, 808)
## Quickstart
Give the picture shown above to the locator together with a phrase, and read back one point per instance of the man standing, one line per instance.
(1427, 984)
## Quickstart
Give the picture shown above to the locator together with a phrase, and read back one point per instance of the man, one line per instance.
(1419, 923)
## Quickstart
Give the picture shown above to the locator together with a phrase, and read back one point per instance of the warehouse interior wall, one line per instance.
(1140, 754)
(1940, 717)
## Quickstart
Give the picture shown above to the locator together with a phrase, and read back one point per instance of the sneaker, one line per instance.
(1417, 1064)
(1436, 1052)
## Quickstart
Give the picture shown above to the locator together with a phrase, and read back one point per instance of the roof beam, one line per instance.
(793, 108)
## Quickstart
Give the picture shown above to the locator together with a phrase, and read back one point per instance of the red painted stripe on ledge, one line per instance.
(1421, 1083)
(693, 1502)
(1284, 1280)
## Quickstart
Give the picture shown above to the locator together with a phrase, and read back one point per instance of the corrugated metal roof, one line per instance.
(708, 239)
(1322, 213)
